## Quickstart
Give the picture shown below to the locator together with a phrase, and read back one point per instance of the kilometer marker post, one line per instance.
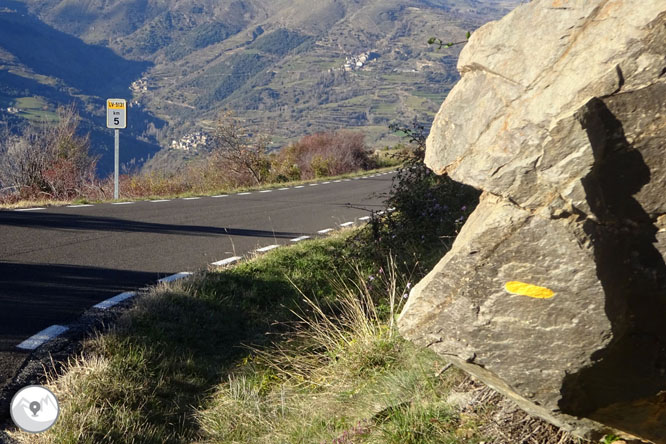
(116, 118)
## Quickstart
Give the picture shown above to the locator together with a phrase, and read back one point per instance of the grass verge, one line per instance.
(324, 364)
(297, 346)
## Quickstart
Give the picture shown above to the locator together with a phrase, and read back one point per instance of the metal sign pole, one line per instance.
(116, 162)
(116, 118)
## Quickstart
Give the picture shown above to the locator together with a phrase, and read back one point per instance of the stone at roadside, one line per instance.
(554, 292)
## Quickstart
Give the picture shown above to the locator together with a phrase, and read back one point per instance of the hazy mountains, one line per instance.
(289, 66)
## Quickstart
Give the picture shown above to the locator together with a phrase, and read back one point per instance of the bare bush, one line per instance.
(323, 154)
(241, 153)
(47, 160)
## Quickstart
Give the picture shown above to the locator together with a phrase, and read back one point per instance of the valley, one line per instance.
(286, 67)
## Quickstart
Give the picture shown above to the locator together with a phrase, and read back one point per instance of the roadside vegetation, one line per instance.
(50, 163)
(297, 346)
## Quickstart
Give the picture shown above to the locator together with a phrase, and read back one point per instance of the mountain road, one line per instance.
(58, 262)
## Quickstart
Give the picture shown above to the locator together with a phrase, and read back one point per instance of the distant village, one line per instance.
(354, 63)
(192, 142)
(140, 85)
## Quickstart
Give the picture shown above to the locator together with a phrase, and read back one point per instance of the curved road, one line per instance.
(55, 263)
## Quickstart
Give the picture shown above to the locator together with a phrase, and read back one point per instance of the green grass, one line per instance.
(324, 365)
(35, 109)
(436, 98)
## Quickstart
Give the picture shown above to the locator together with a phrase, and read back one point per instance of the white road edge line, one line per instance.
(327, 230)
(122, 203)
(268, 248)
(30, 209)
(266, 191)
(301, 238)
(346, 180)
(221, 195)
(283, 189)
(244, 194)
(79, 206)
(115, 300)
(325, 183)
(337, 181)
(159, 200)
(227, 261)
(364, 218)
(191, 198)
(43, 336)
(300, 186)
(347, 224)
(175, 277)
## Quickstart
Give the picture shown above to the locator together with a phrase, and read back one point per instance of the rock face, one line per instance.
(554, 292)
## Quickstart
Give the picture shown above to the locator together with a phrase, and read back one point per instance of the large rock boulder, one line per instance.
(554, 292)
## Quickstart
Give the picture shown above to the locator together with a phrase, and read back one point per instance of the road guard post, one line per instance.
(116, 118)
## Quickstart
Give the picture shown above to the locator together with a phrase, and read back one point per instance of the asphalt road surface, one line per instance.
(55, 263)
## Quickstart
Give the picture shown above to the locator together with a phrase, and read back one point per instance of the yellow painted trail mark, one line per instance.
(533, 291)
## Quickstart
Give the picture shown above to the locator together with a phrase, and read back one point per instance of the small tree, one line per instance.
(241, 152)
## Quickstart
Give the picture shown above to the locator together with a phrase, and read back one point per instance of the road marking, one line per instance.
(301, 238)
(346, 180)
(159, 200)
(300, 186)
(43, 336)
(227, 261)
(221, 195)
(364, 218)
(269, 248)
(191, 198)
(327, 230)
(79, 206)
(266, 191)
(337, 181)
(347, 224)
(325, 183)
(283, 189)
(314, 184)
(115, 300)
(30, 209)
(365, 177)
(122, 203)
(175, 277)
(243, 194)
(356, 178)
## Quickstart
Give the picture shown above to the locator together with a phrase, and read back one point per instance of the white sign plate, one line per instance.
(116, 113)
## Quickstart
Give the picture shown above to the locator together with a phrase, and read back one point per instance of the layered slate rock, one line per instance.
(554, 292)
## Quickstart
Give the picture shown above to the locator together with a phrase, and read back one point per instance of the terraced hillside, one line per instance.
(290, 67)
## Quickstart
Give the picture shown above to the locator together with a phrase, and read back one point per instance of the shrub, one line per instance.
(428, 211)
(324, 154)
(50, 160)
